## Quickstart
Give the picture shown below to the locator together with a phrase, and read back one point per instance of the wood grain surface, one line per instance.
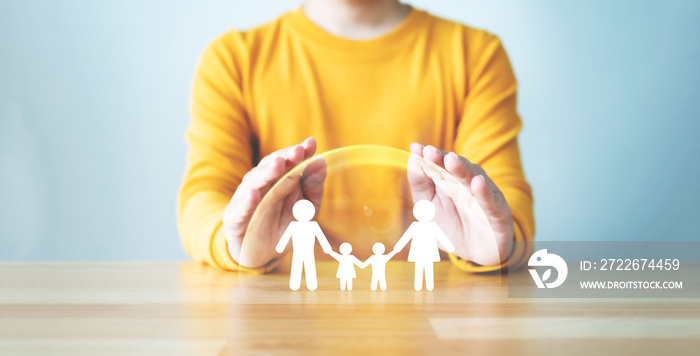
(191, 309)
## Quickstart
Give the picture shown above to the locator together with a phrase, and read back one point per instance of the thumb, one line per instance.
(313, 180)
(236, 217)
(484, 196)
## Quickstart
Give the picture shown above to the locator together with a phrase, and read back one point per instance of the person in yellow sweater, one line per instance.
(339, 73)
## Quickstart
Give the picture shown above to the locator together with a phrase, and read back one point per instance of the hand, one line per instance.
(334, 254)
(259, 246)
(471, 242)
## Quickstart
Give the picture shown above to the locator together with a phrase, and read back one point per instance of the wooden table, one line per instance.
(191, 309)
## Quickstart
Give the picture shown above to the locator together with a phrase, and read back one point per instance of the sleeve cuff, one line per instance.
(223, 260)
(517, 256)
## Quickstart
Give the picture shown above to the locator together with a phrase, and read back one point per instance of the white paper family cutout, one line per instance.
(423, 234)
(303, 233)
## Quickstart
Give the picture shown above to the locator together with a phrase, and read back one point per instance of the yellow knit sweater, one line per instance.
(429, 80)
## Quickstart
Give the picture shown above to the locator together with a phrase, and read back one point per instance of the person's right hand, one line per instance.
(260, 248)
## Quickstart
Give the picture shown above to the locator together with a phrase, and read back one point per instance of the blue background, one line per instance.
(94, 104)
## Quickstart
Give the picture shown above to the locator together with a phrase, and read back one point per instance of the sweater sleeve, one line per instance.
(220, 141)
(487, 134)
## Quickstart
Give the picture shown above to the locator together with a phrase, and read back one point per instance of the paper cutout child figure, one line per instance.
(303, 234)
(378, 262)
(424, 235)
(346, 266)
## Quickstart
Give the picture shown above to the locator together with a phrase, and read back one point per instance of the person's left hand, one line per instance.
(470, 243)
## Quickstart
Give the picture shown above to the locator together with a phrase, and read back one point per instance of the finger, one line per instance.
(309, 147)
(253, 186)
(262, 175)
(241, 210)
(417, 149)
(422, 186)
(434, 155)
(313, 181)
(487, 198)
(236, 216)
(294, 156)
(279, 153)
(293, 183)
(276, 164)
(461, 168)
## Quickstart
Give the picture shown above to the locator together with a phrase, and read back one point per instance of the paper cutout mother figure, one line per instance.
(303, 234)
(424, 235)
